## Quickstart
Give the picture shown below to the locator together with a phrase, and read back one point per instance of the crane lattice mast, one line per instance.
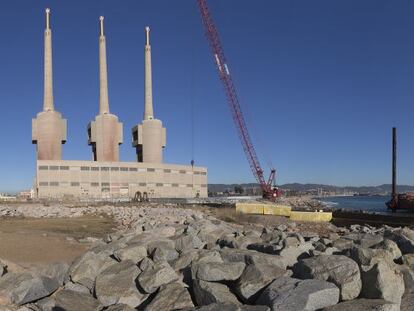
(233, 101)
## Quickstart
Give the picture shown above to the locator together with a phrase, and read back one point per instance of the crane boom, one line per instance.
(233, 101)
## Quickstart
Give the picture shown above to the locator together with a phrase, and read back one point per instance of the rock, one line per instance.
(404, 239)
(164, 253)
(343, 244)
(134, 252)
(172, 296)
(76, 288)
(231, 307)
(215, 271)
(290, 255)
(209, 256)
(72, 301)
(255, 278)
(119, 307)
(289, 294)
(25, 287)
(146, 264)
(408, 260)
(389, 246)
(187, 241)
(3, 269)
(55, 271)
(151, 279)
(184, 261)
(408, 276)
(382, 281)
(407, 302)
(338, 269)
(85, 269)
(252, 257)
(206, 293)
(365, 305)
(368, 256)
(116, 284)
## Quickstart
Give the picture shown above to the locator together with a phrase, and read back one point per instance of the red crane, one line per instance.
(224, 74)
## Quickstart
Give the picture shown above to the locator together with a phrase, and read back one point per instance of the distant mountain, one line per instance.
(385, 188)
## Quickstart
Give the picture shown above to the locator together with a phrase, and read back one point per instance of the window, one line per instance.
(74, 184)
(94, 168)
(124, 169)
(43, 183)
(204, 185)
(104, 168)
(114, 168)
(203, 173)
(196, 173)
(85, 168)
(159, 184)
(189, 185)
(54, 183)
(94, 184)
(142, 184)
(182, 171)
(43, 167)
(64, 168)
(150, 169)
(167, 170)
(53, 168)
(175, 185)
(105, 184)
(133, 169)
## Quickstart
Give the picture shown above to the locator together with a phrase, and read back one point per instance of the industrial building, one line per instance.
(106, 178)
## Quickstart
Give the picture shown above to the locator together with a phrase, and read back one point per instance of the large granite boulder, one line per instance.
(21, 288)
(206, 293)
(116, 284)
(215, 271)
(365, 305)
(338, 269)
(173, 296)
(73, 301)
(135, 252)
(85, 269)
(390, 246)
(256, 277)
(289, 294)
(382, 281)
(160, 274)
(404, 239)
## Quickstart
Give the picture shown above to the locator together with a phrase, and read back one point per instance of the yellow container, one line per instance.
(311, 216)
(277, 210)
(249, 208)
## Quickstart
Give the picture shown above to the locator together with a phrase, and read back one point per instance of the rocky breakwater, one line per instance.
(184, 260)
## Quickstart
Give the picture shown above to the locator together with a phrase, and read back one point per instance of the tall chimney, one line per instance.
(103, 75)
(394, 195)
(148, 110)
(48, 72)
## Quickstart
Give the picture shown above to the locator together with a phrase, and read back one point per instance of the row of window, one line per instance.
(107, 169)
(105, 184)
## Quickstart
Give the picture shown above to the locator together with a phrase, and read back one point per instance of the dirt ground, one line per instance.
(34, 242)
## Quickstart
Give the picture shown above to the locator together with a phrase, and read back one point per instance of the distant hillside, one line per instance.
(385, 188)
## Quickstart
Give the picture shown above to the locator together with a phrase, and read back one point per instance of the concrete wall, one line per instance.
(113, 180)
(48, 133)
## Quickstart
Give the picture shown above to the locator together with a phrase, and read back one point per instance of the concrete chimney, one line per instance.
(105, 132)
(149, 137)
(48, 128)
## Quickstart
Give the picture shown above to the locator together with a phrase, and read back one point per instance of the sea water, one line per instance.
(366, 203)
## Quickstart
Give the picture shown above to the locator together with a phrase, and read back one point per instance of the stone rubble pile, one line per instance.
(176, 259)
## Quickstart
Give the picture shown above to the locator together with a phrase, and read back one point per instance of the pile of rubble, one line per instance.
(184, 260)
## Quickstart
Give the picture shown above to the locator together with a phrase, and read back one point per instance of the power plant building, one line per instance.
(105, 177)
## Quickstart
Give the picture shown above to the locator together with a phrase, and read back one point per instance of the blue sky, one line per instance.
(321, 83)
